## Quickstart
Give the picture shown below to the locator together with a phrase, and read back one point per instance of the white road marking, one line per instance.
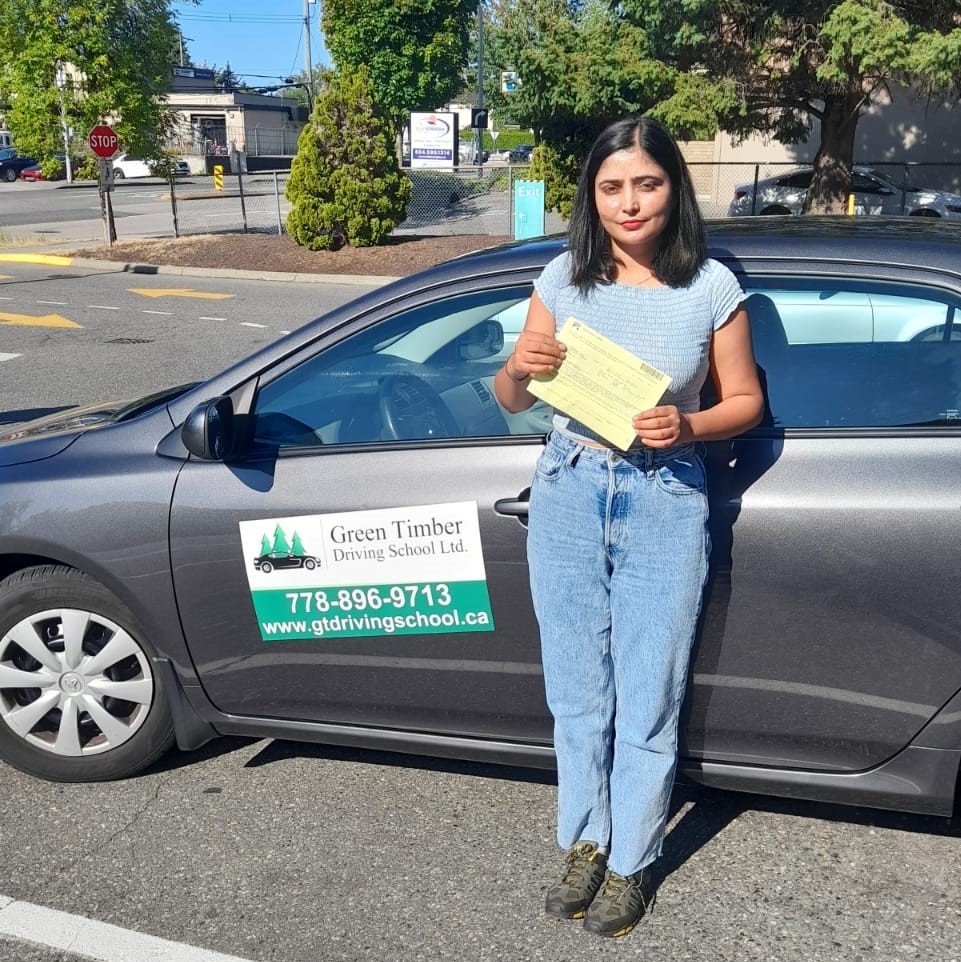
(98, 941)
(8, 357)
(202, 318)
(55, 303)
(251, 324)
(163, 313)
(102, 307)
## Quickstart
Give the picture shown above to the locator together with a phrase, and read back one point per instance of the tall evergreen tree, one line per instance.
(345, 186)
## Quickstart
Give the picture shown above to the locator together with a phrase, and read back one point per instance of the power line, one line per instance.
(238, 18)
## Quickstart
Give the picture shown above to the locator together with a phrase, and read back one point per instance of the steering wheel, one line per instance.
(411, 410)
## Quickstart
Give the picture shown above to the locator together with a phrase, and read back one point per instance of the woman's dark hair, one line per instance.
(682, 248)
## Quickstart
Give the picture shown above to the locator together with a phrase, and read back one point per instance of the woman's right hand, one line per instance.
(535, 353)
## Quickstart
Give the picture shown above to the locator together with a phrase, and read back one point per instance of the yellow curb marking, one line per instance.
(5, 277)
(177, 292)
(57, 260)
(48, 320)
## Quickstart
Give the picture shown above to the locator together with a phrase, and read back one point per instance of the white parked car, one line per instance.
(124, 165)
(874, 193)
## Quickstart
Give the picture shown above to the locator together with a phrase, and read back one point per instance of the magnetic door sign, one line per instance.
(392, 571)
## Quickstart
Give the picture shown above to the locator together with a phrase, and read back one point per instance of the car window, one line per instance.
(862, 184)
(857, 355)
(799, 180)
(424, 374)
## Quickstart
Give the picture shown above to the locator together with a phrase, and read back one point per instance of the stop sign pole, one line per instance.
(103, 141)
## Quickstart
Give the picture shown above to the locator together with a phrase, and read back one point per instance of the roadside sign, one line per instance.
(106, 174)
(103, 141)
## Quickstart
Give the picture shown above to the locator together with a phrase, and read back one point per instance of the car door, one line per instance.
(832, 632)
(873, 196)
(381, 459)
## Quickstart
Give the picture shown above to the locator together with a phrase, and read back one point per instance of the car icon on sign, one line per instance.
(283, 559)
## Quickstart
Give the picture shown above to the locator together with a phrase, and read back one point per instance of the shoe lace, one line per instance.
(580, 861)
(615, 885)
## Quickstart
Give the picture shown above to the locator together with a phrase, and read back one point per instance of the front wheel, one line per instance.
(9, 175)
(80, 698)
(118, 174)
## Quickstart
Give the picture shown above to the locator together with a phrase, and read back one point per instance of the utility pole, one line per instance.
(478, 131)
(61, 82)
(308, 62)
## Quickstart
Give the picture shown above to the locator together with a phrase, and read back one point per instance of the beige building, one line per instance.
(257, 131)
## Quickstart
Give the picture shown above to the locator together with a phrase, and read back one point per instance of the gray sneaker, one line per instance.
(570, 897)
(619, 905)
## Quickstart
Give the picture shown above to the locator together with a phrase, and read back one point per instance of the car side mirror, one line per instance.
(209, 432)
(481, 341)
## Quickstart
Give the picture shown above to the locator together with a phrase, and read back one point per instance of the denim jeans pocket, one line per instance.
(682, 476)
(551, 462)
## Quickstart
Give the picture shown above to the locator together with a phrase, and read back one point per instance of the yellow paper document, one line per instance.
(600, 384)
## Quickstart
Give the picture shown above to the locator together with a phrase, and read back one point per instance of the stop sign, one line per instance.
(103, 141)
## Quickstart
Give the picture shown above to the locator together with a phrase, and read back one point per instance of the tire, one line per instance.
(266, 567)
(118, 174)
(9, 175)
(310, 564)
(80, 697)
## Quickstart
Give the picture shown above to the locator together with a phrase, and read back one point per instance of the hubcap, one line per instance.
(73, 683)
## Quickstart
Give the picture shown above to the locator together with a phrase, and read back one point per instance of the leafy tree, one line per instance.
(415, 49)
(582, 64)
(344, 184)
(114, 56)
(798, 60)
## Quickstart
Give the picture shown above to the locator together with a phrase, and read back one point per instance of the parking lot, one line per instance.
(280, 852)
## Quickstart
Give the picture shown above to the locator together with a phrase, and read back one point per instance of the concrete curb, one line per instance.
(62, 260)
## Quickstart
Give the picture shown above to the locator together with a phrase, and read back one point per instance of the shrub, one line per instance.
(345, 187)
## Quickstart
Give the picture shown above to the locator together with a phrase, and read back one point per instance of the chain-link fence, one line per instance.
(480, 200)
(471, 200)
(230, 203)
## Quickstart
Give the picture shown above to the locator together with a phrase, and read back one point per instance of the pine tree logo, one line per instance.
(283, 551)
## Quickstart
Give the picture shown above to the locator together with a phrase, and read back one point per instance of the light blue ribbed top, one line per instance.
(669, 327)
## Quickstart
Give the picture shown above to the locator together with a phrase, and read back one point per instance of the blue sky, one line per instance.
(254, 37)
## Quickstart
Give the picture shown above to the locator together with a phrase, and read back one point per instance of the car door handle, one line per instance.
(515, 507)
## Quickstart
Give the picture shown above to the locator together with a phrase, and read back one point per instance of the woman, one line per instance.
(617, 542)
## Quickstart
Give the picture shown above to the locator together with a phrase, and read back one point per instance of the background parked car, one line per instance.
(874, 193)
(11, 167)
(32, 173)
(127, 166)
(521, 154)
(35, 172)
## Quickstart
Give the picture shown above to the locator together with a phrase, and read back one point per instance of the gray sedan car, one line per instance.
(133, 612)
(873, 192)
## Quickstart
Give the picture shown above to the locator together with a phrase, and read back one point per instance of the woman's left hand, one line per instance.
(662, 427)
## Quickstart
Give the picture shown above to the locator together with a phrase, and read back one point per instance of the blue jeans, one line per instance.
(617, 548)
